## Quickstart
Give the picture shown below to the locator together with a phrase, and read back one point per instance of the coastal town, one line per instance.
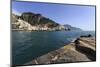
(23, 25)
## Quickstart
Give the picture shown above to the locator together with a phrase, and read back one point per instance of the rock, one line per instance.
(73, 52)
(89, 35)
(86, 48)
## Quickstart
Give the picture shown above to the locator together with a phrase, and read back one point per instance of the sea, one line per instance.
(26, 45)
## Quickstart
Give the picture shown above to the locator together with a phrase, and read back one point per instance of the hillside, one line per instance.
(37, 19)
(32, 21)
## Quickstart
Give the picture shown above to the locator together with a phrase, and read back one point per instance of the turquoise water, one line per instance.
(28, 45)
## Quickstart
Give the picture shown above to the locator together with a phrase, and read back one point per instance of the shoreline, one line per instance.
(73, 52)
(36, 30)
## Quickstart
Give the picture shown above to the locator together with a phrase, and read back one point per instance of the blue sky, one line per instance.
(78, 16)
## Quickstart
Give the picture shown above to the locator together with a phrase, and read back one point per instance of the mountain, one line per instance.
(32, 21)
(37, 19)
(72, 28)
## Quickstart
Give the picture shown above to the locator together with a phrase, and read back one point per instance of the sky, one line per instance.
(75, 15)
